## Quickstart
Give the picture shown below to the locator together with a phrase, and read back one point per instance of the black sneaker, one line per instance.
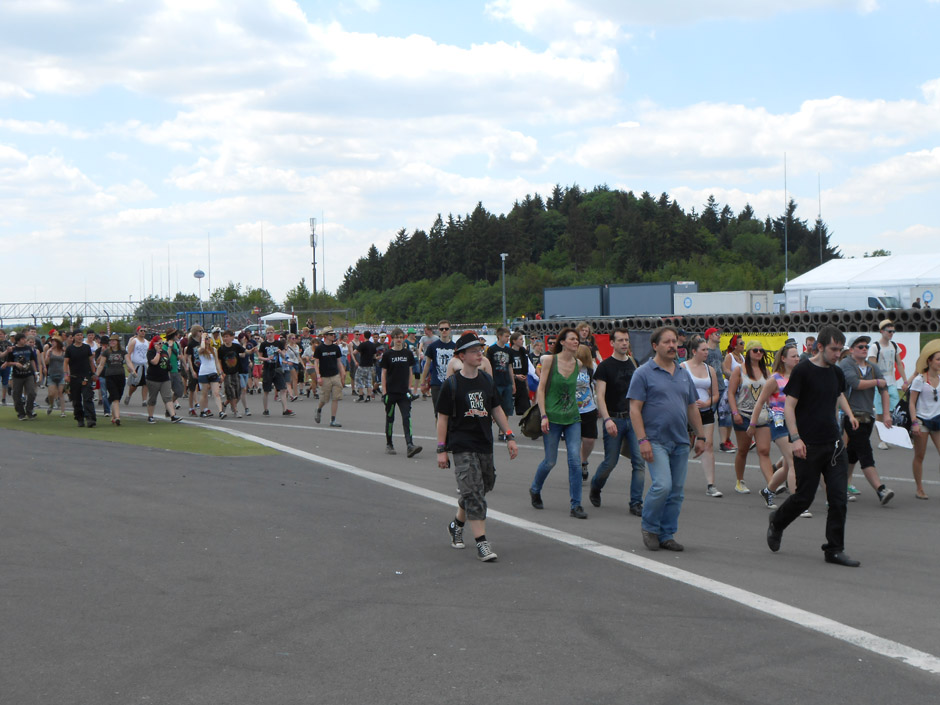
(768, 497)
(81, 424)
(413, 450)
(584, 472)
(484, 552)
(150, 419)
(222, 414)
(265, 413)
(536, 498)
(173, 419)
(21, 417)
(317, 417)
(456, 535)
(92, 424)
(637, 509)
(774, 535)
(885, 496)
(390, 450)
(579, 513)
(287, 412)
(595, 496)
(359, 399)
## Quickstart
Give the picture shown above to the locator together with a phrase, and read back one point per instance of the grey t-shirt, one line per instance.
(714, 360)
(861, 400)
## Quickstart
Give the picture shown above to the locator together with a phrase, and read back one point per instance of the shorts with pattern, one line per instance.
(364, 377)
(475, 477)
(273, 378)
(233, 387)
(332, 388)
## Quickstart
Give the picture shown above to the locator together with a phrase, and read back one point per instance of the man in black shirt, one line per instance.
(24, 363)
(365, 372)
(501, 364)
(270, 352)
(611, 382)
(815, 387)
(397, 366)
(230, 356)
(519, 359)
(466, 408)
(78, 357)
(331, 373)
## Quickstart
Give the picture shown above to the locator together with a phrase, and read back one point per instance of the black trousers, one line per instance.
(82, 391)
(830, 462)
(404, 405)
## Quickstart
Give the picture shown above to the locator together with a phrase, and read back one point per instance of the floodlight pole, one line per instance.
(503, 256)
(313, 246)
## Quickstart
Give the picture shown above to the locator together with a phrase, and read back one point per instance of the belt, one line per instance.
(620, 415)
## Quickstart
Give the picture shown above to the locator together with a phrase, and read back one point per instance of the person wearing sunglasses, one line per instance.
(744, 388)
(924, 408)
(863, 382)
(437, 355)
(885, 353)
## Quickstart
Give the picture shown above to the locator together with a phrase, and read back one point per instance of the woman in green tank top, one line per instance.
(560, 415)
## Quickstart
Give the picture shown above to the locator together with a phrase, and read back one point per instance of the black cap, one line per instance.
(467, 341)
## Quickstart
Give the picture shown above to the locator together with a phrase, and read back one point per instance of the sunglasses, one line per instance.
(889, 330)
(862, 347)
(758, 350)
(443, 329)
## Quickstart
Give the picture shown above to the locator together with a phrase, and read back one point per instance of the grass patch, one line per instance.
(136, 431)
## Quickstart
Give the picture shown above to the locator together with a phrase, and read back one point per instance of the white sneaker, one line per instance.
(807, 514)
(741, 488)
(712, 491)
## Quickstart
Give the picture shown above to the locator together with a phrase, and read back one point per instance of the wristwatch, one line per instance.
(794, 437)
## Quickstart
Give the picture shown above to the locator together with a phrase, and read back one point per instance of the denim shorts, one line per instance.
(208, 379)
(930, 424)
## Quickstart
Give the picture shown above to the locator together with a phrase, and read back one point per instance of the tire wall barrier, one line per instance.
(906, 320)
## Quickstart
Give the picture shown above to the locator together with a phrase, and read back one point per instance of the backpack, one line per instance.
(897, 355)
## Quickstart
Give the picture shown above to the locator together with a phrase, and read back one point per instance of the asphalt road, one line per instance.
(130, 575)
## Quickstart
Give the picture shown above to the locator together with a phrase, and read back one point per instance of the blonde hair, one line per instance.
(585, 356)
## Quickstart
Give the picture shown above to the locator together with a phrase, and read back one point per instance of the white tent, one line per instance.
(905, 276)
(277, 317)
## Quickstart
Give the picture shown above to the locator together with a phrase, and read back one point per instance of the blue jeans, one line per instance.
(612, 456)
(667, 481)
(550, 442)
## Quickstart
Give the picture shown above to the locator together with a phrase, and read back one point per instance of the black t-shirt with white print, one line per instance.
(468, 403)
(399, 364)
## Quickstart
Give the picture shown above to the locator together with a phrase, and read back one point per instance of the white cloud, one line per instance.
(554, 17)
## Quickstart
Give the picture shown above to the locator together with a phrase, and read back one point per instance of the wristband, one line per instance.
(700, 438)
(544, 416)
(441, 448)
(509, 437)
(643, 440)
(794, 437)
(606, 420)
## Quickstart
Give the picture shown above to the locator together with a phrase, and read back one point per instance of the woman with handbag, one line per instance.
(744, 388)
(924, 406)
(774, 397)
(706, 386)
(556, 397)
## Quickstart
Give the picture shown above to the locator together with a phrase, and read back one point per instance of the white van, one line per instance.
(850, 300)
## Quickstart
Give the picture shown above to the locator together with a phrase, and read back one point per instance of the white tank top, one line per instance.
(703, 385)
(139, 355)
(207, 364)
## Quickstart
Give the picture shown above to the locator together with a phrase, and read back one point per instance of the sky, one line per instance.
(141, 140)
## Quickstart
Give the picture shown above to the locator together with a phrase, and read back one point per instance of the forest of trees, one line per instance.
(576, 237)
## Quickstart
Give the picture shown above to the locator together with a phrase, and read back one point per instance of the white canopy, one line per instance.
(904, 276)
(277, 316)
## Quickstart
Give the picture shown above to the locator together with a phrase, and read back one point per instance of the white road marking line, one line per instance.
(527, 446)
(767, 606)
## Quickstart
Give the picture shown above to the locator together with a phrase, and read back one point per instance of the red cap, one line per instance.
(708, 333)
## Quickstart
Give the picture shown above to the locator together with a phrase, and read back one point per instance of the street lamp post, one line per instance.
(313, 246)
(503, 256)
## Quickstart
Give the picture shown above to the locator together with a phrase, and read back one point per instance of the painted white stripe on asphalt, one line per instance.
(527, 446)
(767, 606)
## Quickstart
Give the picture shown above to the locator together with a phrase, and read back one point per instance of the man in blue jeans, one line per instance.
(662, 407)
(611, 381)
